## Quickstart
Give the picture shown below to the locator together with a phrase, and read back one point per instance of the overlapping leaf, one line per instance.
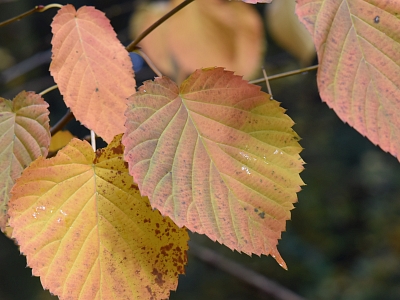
(92, 69)
(217, 156)
(60, 139)
(87, 232)
(215, 33)
(287, 31)
(358, 46)
(257, 1)
(24, 136)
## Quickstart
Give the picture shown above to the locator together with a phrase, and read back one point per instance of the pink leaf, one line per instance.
(216, 155)
(359, 64)
(92, 69)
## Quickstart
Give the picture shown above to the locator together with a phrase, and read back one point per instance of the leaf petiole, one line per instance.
(48, 90)
(93, 140)
(267, 82)
(53, 5)
(148, 61)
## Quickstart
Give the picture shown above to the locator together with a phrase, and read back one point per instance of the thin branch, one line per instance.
(131, 47)
(48, 90)
(38, 8)
(242, 273)
(25, 66)
(149, 62)
(21, 16)
(285, 74)
(60, 124)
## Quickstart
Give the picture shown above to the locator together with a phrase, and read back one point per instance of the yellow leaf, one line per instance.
(87, 232)
(60, 139)
(231, 31)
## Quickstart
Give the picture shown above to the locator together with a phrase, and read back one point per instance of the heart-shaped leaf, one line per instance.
(92, 69)
(87, 232)
(217, 156)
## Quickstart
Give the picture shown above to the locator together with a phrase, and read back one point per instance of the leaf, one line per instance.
(287, 31)
(92, 69)
(217, 156)
(257, 1)
(359, 64)
(231, 31)
(60, 140)
(24, 136)
(87, 232)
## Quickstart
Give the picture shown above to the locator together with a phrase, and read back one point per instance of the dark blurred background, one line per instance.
(343, 241)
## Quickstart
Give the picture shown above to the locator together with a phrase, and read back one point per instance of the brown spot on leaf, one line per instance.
(158, 275)
(118, 149)
(166, 248)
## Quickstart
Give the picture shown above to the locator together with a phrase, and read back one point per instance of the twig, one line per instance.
(21, 16)
(244, 274)
(25, 66)
(285, 74)
(149, 62)
(131, 46)
(38, 8)
(60, 124)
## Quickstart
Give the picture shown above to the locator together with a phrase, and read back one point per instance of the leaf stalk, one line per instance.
(48, 90)
(148, 61)
(93, 140)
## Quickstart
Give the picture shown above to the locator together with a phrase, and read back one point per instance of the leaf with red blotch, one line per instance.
(92, 69)
(24, 136)
(216, 155)
(87, 232)
(358, 46)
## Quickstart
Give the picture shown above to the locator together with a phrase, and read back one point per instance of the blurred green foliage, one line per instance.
(344, 238)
